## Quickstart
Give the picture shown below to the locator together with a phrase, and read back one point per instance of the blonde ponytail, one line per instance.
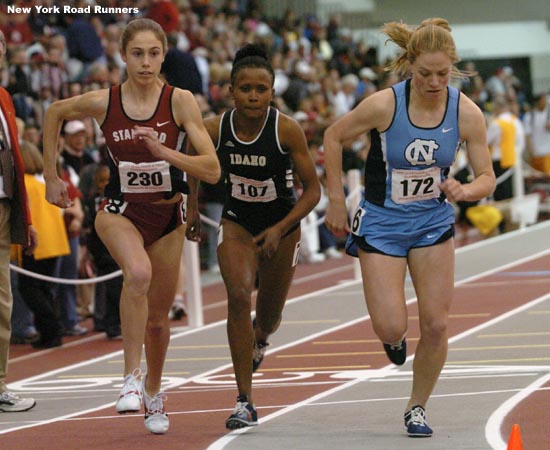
(432, 35)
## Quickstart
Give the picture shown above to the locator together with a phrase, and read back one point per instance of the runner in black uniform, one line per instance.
(259, 150)
(258, 174)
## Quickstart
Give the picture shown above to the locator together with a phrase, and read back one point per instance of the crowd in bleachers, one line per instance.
(321, 72)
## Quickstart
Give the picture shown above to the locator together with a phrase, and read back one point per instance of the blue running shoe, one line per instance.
(258, 352)
(415, 422)
(244, 415)
(397, 353)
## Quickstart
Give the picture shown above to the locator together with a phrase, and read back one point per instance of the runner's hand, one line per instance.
(149, 137)
(336, 218)
(268, 241)
(453, 190)
(56, 193)
(193, 230)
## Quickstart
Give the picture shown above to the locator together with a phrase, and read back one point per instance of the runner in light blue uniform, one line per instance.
(406, 223)
(405, 209)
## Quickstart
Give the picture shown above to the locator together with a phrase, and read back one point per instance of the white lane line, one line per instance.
(313, 405)
(223, 302)
(119, 353)
(503, 267)
(223, 367)
(503, 237)
(76, 343)
(494, 424)
(295, 282)
(222, 442)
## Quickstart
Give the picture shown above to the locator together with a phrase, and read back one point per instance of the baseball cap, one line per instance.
(300, 116)
(367, 72)
(74, 126)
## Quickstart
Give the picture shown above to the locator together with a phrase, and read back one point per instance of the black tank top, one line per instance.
(258, 174)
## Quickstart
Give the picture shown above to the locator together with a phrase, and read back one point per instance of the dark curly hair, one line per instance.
(251, 56)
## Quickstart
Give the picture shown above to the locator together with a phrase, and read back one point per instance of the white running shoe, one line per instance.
(156, 418)
(332, 252)
(11, 402)
(314, 258)
(129, 400)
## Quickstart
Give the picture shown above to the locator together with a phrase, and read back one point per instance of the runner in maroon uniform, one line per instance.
(145, 124)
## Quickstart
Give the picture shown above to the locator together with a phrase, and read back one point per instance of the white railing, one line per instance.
(191, 260)
(523, 214)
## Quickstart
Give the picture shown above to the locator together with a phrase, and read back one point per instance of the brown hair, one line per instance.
(138, 25)
(32, 158)
(432, 35)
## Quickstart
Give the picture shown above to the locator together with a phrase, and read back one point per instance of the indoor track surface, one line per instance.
(326, 382)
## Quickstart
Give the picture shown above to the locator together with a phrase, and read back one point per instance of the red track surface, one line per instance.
(106, 430)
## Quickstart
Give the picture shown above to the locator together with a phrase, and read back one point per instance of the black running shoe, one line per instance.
(415, 422)
(258, 352)
(258, 355)
(244, 415)
(397, 353)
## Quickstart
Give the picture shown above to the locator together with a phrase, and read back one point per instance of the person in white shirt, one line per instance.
(537, 130)
(506, 139)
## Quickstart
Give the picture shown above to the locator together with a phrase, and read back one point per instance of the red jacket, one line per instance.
(20, 217)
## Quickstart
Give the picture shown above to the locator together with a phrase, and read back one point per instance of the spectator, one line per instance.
(37, 72)
(107, 293)
(495, 84)
(505, 137)
(56, 75)
(16, 28)
(23, 330)
(52, 243)
(15, 228)
(22, 320)
(165, 13)
(297, 88)
(367, 80)
(537, 130)
(180, 69)
(201, 60)
(83, 42)
(67, 267)
(43, 102)
(32, 135)
(73, 153)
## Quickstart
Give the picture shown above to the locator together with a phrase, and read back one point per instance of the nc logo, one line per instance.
(421, 151)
